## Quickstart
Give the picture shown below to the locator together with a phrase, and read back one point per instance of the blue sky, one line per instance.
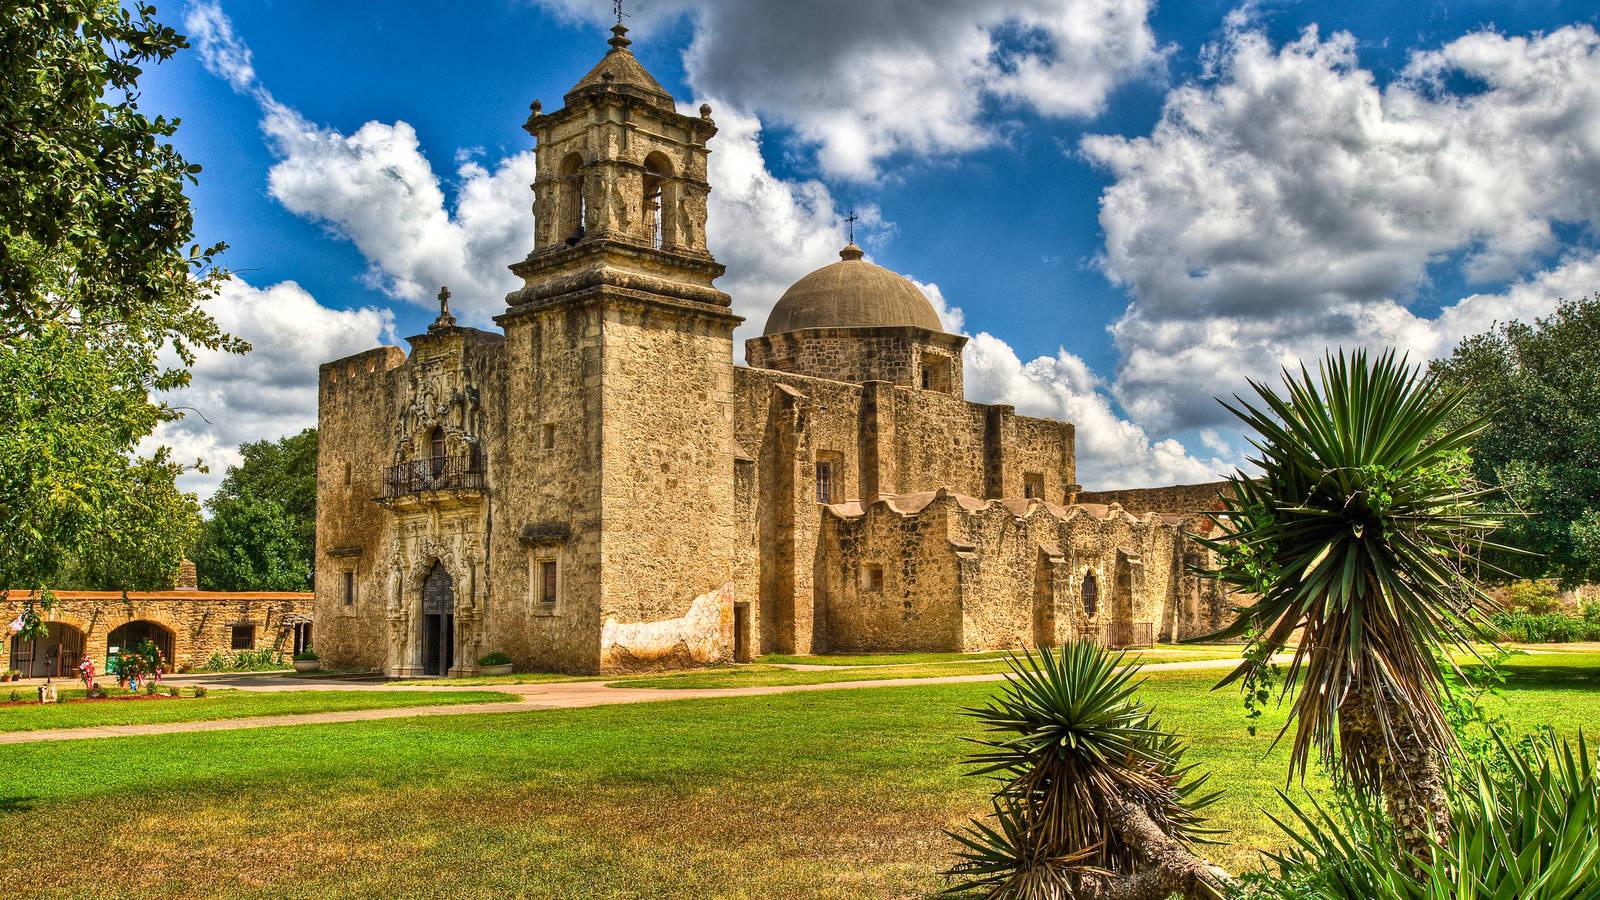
(1130, 207)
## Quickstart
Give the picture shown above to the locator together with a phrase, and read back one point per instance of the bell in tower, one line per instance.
(620, 197)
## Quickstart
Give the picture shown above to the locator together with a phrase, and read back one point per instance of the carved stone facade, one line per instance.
(600, 487)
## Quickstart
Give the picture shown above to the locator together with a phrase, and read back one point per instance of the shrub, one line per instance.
(495, 659)
(306, 654)
(1547, 628)
(263, 660)
(1092, 794)
(1532, 833)
(199, 691)
(1536, 597)
(15, 696)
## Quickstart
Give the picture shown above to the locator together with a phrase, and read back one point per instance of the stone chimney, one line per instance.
(188, 579)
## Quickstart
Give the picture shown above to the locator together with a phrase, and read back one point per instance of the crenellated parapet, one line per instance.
(941, 570)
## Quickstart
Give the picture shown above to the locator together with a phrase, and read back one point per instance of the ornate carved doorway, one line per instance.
(438, 621)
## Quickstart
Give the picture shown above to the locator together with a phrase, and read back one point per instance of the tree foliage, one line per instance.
(1538, 386)
(1361, 535)
(101, 293)
(263, 525)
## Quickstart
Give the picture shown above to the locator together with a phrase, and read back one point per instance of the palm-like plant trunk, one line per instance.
(1170, 867)
(1406, 769)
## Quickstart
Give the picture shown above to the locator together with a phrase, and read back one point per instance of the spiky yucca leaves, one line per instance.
(1530, 834)
(1363, 529)
(1075, 756)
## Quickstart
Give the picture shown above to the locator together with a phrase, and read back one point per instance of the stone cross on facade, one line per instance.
(445, 320)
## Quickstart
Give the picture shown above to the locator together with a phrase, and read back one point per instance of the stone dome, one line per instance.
(852, 293)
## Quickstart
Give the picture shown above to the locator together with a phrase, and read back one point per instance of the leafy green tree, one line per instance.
(1361, 534)
(263, 527)
(1539, 388)
(101, 293)
(250, 544)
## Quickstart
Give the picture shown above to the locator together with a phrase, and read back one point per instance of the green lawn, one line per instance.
(218, 704)
(761, 674)
(821, 794)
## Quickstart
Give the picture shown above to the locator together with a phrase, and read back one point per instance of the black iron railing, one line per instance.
(437, 473)
(1130, 634)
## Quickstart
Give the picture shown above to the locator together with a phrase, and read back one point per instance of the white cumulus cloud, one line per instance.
(271, 391)
(863, 82)
(1288, 203)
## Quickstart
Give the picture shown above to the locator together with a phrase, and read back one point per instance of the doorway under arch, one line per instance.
(438, 621)
(130, 636)
(56, 655)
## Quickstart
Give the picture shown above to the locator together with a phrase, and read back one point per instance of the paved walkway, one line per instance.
(532, 697)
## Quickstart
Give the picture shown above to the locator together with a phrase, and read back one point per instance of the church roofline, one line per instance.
(916, 502)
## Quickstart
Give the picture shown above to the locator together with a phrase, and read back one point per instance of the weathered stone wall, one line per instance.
(894, 354)
(545, 500)
(958, 573)
(1178, 498)
(199, 622)
(913, 602)
(667, 491)
(881, 439)
(358, 399)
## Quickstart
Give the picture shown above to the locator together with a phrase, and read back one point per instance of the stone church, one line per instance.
(598, 486)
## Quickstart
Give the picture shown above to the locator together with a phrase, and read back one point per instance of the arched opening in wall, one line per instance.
(55, 655)
(571, 206)
(1124, 631)
(438, 621)
(129, 637)
(1044, 609)
(1091, 594)
(658, 200)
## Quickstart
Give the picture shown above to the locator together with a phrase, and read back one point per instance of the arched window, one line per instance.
(1091, 593)
(658, 200)
(571, 211)
(436, 451)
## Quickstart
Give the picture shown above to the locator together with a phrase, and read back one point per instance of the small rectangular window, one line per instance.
(824, 482)
(242, 637)
(547, 436)
(1033, 485)
(547, 582)
(349, 587)
(872, 578)
(936, 374)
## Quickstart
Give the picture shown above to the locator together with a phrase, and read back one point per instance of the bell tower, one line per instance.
(620, 358)
(620, 197)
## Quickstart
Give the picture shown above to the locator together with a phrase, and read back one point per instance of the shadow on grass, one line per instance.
(1524, 675)
(16, 804)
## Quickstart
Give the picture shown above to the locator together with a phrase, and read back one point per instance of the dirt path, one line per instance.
(534, 697)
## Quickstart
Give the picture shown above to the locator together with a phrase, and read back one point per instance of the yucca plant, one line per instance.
(1092, 797)
(1361, 533)
(1532, 833)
